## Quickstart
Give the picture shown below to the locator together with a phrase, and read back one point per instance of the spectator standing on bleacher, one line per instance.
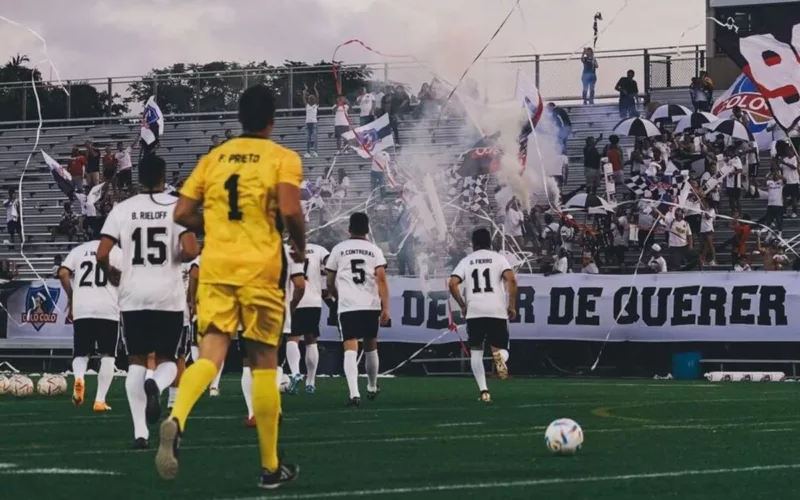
(628, 92)
(76, 166)
(88, 215)
(67, 224)
(124, 164)
(57, 260)
(616, 157)
(562, 123)
(92, 164)
(786, 160)
(657, 263)
(591, 164)
(311, 101)
(366, 104)
(215, 141)
(12, 214)
(380, 164)
(341, 123)
(700, 95)
(589, 75)
(228, 134)
(109, 159)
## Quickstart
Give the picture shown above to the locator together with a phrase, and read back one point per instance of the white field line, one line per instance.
(58, 471)
(524, 483)
(459, 424)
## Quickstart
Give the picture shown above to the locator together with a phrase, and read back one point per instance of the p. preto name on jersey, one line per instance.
(481, 274)
(92, 295)
(313, 270)
(354, 261)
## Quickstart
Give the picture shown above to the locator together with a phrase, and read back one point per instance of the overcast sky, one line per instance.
(97, 38)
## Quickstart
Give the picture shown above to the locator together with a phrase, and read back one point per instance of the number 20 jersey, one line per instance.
(354, 261)
(144, 229)
(481, 275)
(92, 295)
(237, 182)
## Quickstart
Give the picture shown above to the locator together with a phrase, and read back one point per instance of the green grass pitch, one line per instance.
(429, 438)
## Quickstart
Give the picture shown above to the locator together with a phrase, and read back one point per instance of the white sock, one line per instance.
(215, 383)
(312, 360)
(165, 375)
(247, 390)
(104, 377)
(372, 362)
(351, 372)
(504, 355)
(195, 352)
(478, 370)
(137, 399)
(293, 356)
(148, 374)
(79, 365)
(173, 393)
(279, 376)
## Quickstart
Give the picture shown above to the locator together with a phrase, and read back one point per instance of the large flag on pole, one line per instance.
(371, 138)
(770, 57)
(60, 175)
(152, 122)
(746, 96)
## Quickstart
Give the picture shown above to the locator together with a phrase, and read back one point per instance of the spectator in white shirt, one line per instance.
(657, 263)
(707, 249)
(567, 234)
(733, 182)
(512, 226)
(751, 150)
(680, 241)
(622, 233)
(710, 189)
(341, 123)
(311, 99)
(775, 206)
(124, 164)
(380, 165)
(12, 214)
(562, 263)
(342, 185)
(787, 161)
(366, 103)
(589, 265)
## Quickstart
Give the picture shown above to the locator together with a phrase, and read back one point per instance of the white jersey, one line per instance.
(92, 295)
(295, 269)
(150, 242)
(314, 270)
(354, 261)
(481, 273)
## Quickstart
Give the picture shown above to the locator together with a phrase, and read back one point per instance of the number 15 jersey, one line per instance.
(237, 182)
(151, 253)
(481, 273)
(354, 261)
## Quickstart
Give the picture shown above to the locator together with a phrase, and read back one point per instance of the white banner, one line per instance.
(673, 307)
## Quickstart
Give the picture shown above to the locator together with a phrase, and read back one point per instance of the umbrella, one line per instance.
(670, 112)
(590, 202)
(637, 127)
(730, 128)
(695, 121)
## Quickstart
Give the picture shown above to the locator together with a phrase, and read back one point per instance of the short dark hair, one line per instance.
(256, 108)
(359, 224)
(481, 239)
(152, 169)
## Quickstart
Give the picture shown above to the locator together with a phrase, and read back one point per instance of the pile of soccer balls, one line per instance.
(21, 386)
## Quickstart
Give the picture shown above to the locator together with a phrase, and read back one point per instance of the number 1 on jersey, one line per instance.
(476, 283)
(232, 186)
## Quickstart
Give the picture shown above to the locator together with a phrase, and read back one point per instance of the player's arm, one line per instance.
(65, 276)
(191, 293)
(299, 290)
(511, 286)
(331, 278)
(190, 249)
(289, 178)
(455, 291)
(103, 254)
(383, 293)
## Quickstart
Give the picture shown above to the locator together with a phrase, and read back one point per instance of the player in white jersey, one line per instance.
(94, 307)
(357, 279)
(487, 304)
(151, 294)
(305, 321)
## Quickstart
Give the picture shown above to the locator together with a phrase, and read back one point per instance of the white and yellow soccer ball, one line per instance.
(51, 385)
(283, 380)
(5, 385)
(563, 437)
(21, 386)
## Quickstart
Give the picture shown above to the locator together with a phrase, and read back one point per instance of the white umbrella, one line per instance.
(586, 201)
(695, 121)
(731, 128)
(636, 127)
(670, 112)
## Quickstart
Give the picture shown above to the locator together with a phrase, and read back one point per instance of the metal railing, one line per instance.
(558, 77)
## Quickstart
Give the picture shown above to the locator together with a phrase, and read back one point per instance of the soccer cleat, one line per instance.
(213, 392)
(294, 381)
(152, 411)
(284, 474)
(100, 407)
(140, 444)
(78, 390)
(354, 402)
(250, 422)
(500, 365)
(310, 389)
(485, 397)
(168, 446)
(371, 395)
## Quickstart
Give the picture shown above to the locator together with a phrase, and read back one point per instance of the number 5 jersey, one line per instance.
(354, 261)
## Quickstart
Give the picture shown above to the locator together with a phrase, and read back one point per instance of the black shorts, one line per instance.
(305, 321)
(91, 332)
(153, 331)
(338, 130)
(493, 331)
(359, 324)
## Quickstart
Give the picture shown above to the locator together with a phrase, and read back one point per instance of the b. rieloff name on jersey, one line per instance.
(144, 229)
(481, 274)
(354, 261)
(92, 295)
(313, 269)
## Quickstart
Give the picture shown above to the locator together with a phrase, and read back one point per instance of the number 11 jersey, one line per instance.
(481, 273)
(144, 228)
(354, 261)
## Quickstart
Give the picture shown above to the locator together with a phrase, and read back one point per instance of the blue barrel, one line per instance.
(686, 365)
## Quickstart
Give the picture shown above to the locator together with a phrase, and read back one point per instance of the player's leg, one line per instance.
(371, 360)
(169, 325)
(247, 385)
(106, 336)
(312, 362)
(138, 344)
(151, 365)
(213, 389)
(477, 334)
(293, 360)
(181, 364)
(497, 338)
(82, 343)
(305, 323)
(349, 326)
(217, 319)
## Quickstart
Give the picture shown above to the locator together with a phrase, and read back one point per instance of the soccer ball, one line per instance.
(5, 384)
(563, 437)
(51, 385)
(21, 386)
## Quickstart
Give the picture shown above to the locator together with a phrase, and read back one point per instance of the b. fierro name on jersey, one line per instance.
(148, 215)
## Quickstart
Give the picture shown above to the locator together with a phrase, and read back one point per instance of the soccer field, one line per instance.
(428, 438)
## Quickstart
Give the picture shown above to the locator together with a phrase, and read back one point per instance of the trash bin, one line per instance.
(686, 365)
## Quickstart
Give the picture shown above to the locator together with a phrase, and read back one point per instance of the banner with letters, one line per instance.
(672, 307)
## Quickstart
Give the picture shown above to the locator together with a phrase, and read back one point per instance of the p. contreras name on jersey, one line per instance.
(354, 261)
(150, 242)
(295, 269)
(481, 272)
(313, 270)
(92, 295)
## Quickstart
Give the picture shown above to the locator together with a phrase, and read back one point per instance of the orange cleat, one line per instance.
(78, 390)
(100, 407)
(250, 422)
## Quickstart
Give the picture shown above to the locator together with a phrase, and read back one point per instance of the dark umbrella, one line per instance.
(637, 127)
